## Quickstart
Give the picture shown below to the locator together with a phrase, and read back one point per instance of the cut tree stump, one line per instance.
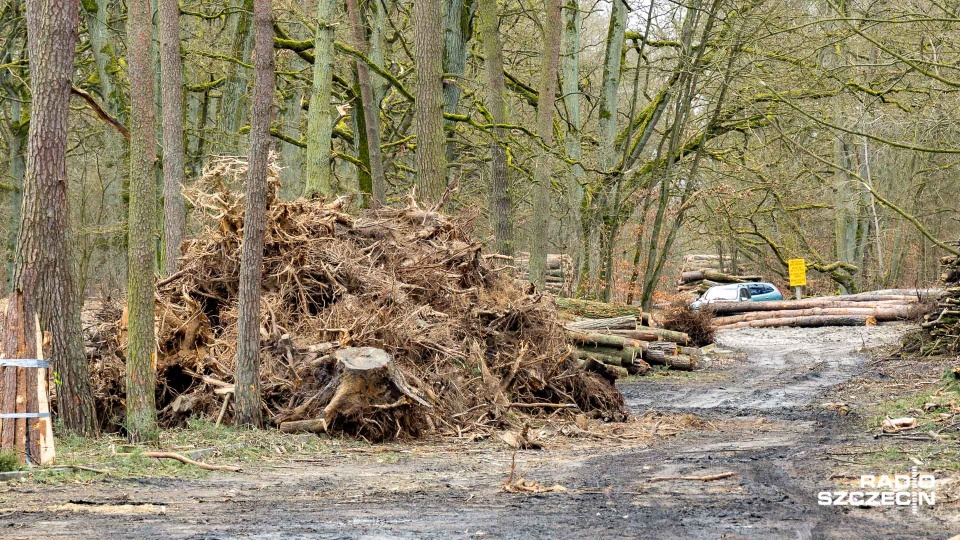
(365, 379)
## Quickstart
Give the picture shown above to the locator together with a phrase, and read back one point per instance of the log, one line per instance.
(726, 308)
(598, 339)
(658, 352)
(806, 322)
(610, 373)
(600, 310)
(365, 377)
(644, 333)
(715, 276)
(899, 312)
(607, 359)
(628, 322)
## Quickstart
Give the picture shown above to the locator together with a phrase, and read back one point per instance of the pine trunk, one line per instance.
(171, 83)
(428, 116)
(500, 201)
(42, 269)
(248, 410)
(371, 111)
(142, 248)
(540, 234)
(319, 121)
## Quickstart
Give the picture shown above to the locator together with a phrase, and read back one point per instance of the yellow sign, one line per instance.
(798, 272)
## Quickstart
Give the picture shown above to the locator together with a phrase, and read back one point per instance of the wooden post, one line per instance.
(799, 292)
(25, 424)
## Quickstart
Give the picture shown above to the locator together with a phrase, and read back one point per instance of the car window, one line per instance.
(756, 289)
(744, 294)
(721, 294)
(766, 289)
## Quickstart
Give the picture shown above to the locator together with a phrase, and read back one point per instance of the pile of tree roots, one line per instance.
(700, 272)
(862, 309)
(941, 328)
(458, 345)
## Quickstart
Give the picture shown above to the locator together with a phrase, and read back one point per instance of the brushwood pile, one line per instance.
(484, 348)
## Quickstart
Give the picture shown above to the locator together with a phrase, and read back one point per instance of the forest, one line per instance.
(593, 144)
(313, 231)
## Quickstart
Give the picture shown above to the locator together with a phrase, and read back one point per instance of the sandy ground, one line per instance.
(759, 417)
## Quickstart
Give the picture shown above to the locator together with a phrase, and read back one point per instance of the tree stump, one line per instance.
(365, 381)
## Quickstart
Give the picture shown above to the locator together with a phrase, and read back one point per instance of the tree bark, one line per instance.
(171, 83)
(428, 116)
(501, 219)
(371, 111)
(235, 88)
(611, 84)
(142, 251)
(248, 411)
(571, 102)
(540, 232)
(319, 121)
(42, 269)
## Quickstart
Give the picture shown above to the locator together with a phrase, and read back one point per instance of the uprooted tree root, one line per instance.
(464, 334)
(698, 324)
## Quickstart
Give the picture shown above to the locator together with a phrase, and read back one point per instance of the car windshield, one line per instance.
(721, 294)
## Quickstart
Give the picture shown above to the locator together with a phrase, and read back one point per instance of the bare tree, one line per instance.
(142, 255)
(248, 410)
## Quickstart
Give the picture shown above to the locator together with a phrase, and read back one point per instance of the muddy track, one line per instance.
(772, 495)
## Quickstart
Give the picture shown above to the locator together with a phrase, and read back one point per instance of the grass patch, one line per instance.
(201, 440)
(8, 461)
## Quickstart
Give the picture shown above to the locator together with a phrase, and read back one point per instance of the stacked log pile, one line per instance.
(601, 310)
(559, 277)
(942, 327)
(623, 344)
(863, 309)
(700, 272)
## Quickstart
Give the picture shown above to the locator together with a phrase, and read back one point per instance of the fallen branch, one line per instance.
(708, 478)
(188, 461)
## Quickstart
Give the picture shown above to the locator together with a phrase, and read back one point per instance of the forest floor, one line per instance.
(793, 413)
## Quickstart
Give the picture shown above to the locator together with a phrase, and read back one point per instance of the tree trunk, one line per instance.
(571, 102)
(319, 121)
(501, 219)
(42, 269)
(815, 321)
(892, 313)
(141, 260)
(611, 84)
(248, 411)
(540, 233)
(174, 207)
(431, 161)
(371, 111)
(457, 19)
(232, 107)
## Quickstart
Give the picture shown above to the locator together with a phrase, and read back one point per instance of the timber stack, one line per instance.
(942, 327)
(628, 348)
(559, 276)
(863, 309)
(700, 272)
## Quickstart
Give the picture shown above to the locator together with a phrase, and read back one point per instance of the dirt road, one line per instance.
(759, 417)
